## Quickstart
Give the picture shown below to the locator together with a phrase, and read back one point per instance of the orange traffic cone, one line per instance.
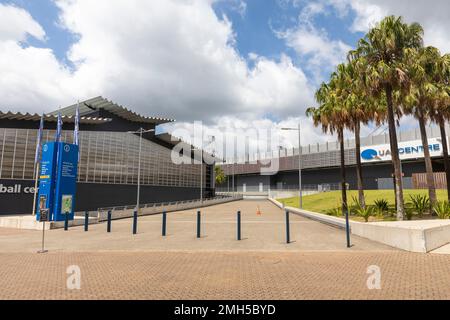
(258, 211)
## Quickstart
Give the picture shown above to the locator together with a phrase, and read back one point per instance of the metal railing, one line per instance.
(156, 208)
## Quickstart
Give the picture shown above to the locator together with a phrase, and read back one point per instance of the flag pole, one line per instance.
(37, 161)
(36, 178)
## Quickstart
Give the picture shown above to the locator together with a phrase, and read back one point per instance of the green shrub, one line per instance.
(442, 209)
(355, 206)
(420, 203)
(365, 213)
(381, 206)
(336, 212)
(409, 213)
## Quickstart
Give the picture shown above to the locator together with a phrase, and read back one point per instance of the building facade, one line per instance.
(108, 163)
(321, 165)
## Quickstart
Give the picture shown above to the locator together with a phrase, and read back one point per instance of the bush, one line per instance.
(442, 209)
(381, 206)
(420, 203)
(355, 206)
(409, 213)
(365, 213)
(336, 212)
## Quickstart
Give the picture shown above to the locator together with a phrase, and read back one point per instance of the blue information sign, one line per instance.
(57, 180)
(66, 181)
(47, 179)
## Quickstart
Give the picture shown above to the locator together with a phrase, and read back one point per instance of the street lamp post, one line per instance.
(299, 162)
(201, 167)
(141, 131)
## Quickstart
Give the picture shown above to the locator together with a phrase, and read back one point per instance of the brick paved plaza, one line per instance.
(317, 265)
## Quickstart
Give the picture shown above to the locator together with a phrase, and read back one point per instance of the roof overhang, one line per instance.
(99, 103)
(50, 117)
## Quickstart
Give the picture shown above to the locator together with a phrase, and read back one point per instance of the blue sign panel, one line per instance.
(47, 179)
(66, 181)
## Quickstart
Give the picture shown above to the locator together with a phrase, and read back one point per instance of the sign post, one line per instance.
(43, 217)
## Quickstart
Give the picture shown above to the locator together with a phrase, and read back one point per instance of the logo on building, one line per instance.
(406, 150)
(66, 148)
(370, 154)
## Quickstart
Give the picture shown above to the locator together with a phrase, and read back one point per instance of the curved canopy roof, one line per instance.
(50, 117)
(95, 104)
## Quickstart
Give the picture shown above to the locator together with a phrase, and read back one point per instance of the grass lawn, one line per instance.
(326, 201)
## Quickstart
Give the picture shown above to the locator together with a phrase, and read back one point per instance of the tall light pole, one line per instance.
(213, 138)
(141, 131)
(300, 192)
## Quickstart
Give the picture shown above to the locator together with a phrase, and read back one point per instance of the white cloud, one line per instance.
(432, 15)
(16, 24)
(321, 53)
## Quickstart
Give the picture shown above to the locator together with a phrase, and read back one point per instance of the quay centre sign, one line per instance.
(407, 150)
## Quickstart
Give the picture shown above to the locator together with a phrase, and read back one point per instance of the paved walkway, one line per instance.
(260, 233)
(262, 266)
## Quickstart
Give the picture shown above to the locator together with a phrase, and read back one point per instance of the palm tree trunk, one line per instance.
(344, 184)
(445, 152)
(395, 154)
(428, 164)
(359, 177)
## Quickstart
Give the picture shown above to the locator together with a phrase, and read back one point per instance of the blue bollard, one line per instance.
(86, 221)
(198, 224)
(288, 232)
(135, 216)
(347, 229)
(239, 225)
(66, 222)
(164, 223)
(108, 225)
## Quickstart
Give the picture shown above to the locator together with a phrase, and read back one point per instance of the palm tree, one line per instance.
(383, 50)
(442, 111)
(332, 116)
(361, 110)
(424, 96)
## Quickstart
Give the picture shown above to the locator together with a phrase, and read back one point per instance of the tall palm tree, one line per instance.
(383, 49)
(332, 116)
(424, 96)
(442, 111)
(361, 110)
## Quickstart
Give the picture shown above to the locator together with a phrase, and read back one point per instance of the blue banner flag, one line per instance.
(58, 128)
(39, 140)
(77, 126)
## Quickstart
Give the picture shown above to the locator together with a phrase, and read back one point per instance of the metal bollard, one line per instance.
(135, 217)
(86, 221)
(164, 223)
(108, 225)
(198, 224)
(66, 222)
(239, 225)
(347, 229)
(288, 232)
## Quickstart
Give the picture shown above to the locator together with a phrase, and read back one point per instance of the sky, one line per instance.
(232, 64)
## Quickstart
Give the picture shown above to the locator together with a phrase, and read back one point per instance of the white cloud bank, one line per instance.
(171, 58)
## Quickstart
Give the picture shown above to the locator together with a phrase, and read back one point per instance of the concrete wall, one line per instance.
(413, 236)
